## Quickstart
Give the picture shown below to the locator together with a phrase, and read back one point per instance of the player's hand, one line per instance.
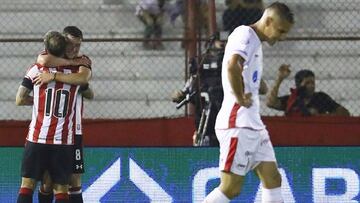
(246, 101)
(284, 71)
(84, 61)
(43, 78)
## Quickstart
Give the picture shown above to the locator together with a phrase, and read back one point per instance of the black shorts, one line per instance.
(78, 158)
(56, 159)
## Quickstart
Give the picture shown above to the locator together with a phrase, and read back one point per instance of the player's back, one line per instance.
(54, 108)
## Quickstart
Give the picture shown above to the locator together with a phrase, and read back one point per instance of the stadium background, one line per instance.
(132, 106)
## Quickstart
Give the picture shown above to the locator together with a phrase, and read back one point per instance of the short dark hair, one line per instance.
(283, 10)
(300, 75)
(55, 43)
(74, 31)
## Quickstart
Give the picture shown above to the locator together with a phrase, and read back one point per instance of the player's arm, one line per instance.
(49, 60)
(87, 92)
(273, 100)
(23, 97)
(235, 69)
(263, 87)
(80, 78)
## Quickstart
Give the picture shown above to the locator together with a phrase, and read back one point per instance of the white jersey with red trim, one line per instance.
(242, 41)
(53, 117)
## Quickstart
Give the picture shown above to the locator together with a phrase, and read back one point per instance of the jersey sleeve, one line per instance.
(32, 72)
(89, 60)
(27, 83)
(240, 42)
(30, 75)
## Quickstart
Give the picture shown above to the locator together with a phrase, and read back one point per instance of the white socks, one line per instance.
(268, 196)
(272, 195)
(216, 196)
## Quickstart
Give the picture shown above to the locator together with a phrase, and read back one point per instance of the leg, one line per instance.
(26, 190)
(75, 192)
(231, 184)
(60, 171)
(31, 170)
(232, 155)
(229, 188)
(271, 180)
(45, 194)
(158, 22)
(61, 193)
(148, 22)
(75, 189)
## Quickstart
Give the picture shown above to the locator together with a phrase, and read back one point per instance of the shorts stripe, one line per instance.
(231, 154)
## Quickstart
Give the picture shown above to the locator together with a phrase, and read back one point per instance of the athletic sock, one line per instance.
(216, 196)
(45, 197)
(61, 198)
(75, 195)
(25, 195)
(272, 195)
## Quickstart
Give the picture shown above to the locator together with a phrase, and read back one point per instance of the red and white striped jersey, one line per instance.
(53, 116)
(79, 113)
(242, 41)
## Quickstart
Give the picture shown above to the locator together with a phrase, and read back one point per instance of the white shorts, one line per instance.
(242, 149)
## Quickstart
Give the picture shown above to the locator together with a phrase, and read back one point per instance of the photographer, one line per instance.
(303, 100)
(203, 89)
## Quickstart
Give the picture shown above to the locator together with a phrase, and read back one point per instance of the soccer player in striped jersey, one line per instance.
(51, 131)
(244, 141)
(74, 37)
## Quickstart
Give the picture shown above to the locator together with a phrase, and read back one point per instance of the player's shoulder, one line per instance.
(244, 33)
(321, 95)
(35, 66)
(242, 30)
(33, 70)
(86, 56)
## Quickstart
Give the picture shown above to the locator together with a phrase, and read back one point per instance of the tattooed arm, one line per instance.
(23, 96)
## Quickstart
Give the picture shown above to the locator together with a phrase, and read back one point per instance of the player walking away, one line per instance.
(51, 135)
(74, 36)
(244, 140)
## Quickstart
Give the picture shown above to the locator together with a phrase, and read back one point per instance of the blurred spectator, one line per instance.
(151, 13)
(303, 100)
(202, 16)
(241, 12)
(179, 8)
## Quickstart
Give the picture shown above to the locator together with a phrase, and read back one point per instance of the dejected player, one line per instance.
(244, 141)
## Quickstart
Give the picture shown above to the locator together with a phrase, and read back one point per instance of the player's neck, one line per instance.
(259, 32)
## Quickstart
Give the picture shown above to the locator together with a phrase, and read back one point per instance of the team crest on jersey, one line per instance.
(255, 76)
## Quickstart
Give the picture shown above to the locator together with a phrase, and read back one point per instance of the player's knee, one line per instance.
(230, 191)
(273, 181)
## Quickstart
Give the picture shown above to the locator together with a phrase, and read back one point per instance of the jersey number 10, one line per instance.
(58, 108)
